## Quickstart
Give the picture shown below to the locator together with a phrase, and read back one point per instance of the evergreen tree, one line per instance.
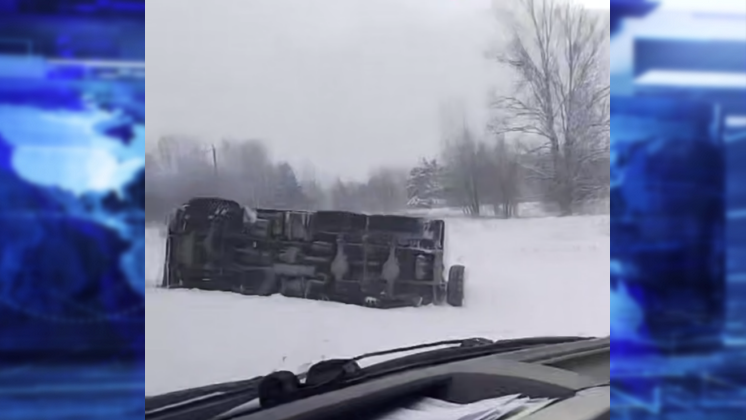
(288, 193)
(424, 187)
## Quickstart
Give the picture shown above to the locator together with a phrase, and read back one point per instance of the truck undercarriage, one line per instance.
(380, 261)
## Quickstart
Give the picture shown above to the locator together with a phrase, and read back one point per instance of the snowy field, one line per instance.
(525, 277)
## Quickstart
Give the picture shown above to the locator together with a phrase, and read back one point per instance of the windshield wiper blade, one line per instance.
(156, 402)
(448, 355)
(202, 402)
(283, 387)
(209, 401)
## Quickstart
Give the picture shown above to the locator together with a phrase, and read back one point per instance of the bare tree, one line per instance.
(192, 171)
(503, 183)
(343, 196)
(561, 97)
(316, 196)
(248, 173)
(477, 173)
(386, 190)
(465, 171)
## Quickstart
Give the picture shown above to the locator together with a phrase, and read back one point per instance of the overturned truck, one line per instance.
(369, 260)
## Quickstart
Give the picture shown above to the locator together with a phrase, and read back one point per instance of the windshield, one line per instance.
(347, 176)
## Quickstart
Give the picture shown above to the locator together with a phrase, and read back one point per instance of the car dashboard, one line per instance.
(575, 375)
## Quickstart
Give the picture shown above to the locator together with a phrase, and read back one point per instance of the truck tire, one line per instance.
(455, 289)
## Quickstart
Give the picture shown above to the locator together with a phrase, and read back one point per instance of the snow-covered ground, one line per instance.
(526, 277)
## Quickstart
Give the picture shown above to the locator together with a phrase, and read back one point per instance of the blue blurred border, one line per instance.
(700, 374)
(72, 317)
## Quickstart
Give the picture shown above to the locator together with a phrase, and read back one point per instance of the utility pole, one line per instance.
(215, 160)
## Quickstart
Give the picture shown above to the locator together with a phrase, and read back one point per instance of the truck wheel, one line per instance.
(455, 290)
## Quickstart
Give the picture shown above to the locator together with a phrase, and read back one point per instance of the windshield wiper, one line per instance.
(283, 386)
(202, 402)
(156, 402)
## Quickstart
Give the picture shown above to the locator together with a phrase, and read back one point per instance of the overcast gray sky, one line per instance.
(344, 85)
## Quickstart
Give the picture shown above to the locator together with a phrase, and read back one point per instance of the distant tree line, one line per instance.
(181, 168)
(481, 177)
